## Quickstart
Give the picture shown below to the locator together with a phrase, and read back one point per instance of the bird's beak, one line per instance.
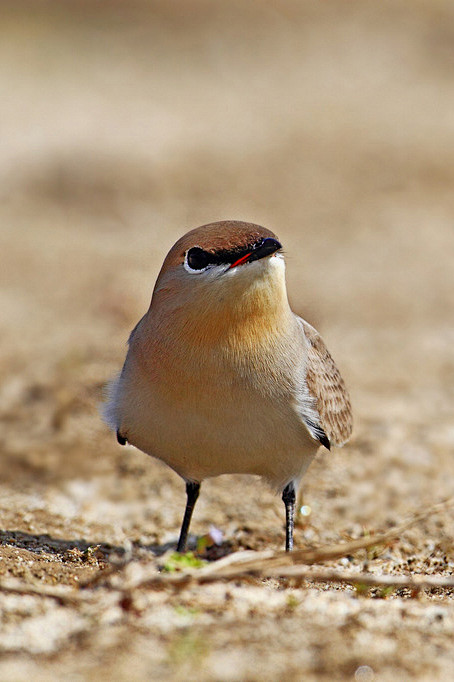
(266, 248)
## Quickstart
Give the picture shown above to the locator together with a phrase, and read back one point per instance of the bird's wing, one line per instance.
(327, 388)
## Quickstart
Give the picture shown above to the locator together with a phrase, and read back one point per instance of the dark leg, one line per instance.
(288, 497)
(192, 492)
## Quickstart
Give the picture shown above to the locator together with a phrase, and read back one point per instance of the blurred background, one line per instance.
(123, 125)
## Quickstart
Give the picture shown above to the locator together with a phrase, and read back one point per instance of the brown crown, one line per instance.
(223, 236)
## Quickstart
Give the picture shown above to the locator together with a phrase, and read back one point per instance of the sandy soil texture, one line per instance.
(331, 123)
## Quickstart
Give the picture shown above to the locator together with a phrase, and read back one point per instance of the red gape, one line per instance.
(240, 260)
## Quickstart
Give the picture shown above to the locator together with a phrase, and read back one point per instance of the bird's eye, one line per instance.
(198, 259)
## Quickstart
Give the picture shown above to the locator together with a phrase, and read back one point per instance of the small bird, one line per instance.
(221, 376)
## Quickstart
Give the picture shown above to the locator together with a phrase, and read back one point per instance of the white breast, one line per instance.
(215, 417)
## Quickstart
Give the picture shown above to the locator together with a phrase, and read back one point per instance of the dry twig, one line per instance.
(64, 595)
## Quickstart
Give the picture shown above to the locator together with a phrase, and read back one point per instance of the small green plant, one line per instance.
(361, 589)
(180, 562)
(292, 602)
(187, 611)
(386, 592)
(187, 647)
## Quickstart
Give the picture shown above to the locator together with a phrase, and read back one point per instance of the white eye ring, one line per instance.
(191, 270)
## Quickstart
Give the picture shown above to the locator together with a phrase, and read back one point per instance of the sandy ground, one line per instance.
(331, 123)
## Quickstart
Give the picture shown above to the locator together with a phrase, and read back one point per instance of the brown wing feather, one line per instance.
(327, 387)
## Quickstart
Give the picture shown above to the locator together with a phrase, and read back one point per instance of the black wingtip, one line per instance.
(324, 440)
(121, 439)
(318, 433)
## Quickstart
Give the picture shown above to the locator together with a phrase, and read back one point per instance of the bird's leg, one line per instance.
(288, 497)
(192, 492)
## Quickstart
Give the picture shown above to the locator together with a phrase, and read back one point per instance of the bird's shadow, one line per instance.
(43, 543)
(209, 553)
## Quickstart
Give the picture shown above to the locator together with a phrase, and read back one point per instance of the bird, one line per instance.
(221, 376)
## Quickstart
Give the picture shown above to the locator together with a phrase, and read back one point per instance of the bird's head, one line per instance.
(221, 262)
(221, 275)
